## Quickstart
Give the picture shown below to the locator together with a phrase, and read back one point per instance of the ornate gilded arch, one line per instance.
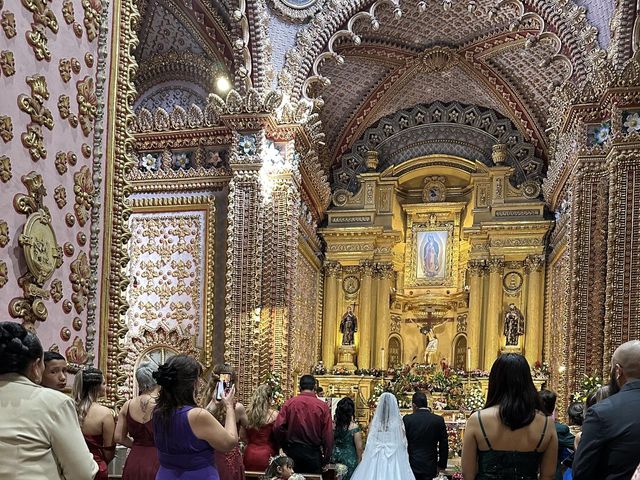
(453, 129)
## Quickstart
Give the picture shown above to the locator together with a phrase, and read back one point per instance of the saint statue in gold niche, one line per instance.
(513, 325)
(431, 257)
(348, 326)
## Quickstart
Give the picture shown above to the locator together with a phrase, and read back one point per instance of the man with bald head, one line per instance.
(610, 445)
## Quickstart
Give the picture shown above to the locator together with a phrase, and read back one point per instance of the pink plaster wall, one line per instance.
(63, 137)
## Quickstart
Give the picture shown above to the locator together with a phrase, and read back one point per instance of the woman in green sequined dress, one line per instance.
(347, 437)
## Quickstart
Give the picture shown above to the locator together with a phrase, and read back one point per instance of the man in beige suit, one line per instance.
(40, 438)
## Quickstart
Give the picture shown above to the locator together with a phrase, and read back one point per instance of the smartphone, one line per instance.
(223, 386)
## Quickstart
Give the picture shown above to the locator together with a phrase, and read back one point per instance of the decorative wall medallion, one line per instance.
(61, 162)
(87, 103)
(80, 276)
(64, 67)
(65, 334)
(297, 10)
(68, 249)
(84, 190)
(37, 39)
(434, 190)
(67, 306)
(512, 282)
(77, 324)
(56, 290)
(60, 196)
(67, 11)
(40, 249)
(42, 13)
(631, 122)
(38, 85)
(33, 141)
(69, 219)
(76, 354)
(8, 23)
(86, 150)
(77, 29)
(63, 106)
(4, 234)
(351, 284)
(92, 17)
(6, 128)
(531, 189)
(7, 63)
(72, 159)
(88, 59)
(81, 238)
(4, 273)
(40, 115)
(75, 65)
(5, 169)
(73, 120)
(247, 144)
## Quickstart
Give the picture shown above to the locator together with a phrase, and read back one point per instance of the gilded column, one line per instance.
(365, 331)
(384, 273)
(330, 313)
(476, 269)
(534, 326)
(494, 312)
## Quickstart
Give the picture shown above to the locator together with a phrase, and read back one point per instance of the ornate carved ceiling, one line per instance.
(508, 56)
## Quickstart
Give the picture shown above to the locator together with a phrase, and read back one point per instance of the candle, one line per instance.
(468, 359)
(382, 359)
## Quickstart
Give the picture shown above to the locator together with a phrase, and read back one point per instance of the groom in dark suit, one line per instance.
(427, 439)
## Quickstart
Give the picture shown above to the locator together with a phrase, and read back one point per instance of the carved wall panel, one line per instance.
(36, 38)
(589, 268)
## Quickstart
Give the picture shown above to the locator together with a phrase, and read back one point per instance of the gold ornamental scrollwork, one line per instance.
(41, 251)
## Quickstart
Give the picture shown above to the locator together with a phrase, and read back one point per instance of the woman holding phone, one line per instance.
(229, 464)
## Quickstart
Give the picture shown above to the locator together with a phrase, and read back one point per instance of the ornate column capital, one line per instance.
(366, 267)
(496, 265)
(384, 270)
(332, 269)
(477, 267)
(534, 263)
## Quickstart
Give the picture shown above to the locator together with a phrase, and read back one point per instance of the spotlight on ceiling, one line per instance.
(222, 84)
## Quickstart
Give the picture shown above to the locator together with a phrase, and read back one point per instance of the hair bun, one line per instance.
(166, 375)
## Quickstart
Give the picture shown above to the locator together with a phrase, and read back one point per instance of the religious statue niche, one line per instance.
(348, 327)
(513, 325)
(434, 190)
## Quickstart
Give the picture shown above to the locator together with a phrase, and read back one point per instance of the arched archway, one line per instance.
(460, 352)
(395, 351)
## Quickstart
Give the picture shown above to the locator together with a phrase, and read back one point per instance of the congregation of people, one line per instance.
(183, 426)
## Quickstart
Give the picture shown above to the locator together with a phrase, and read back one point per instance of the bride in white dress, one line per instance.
(385, 455)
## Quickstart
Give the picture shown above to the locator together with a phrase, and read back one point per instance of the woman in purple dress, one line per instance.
(184, 434)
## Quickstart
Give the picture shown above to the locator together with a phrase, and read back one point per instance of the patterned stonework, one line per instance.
(166, 269)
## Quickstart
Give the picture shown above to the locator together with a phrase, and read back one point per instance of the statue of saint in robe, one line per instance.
(513, 325)
(348, 327)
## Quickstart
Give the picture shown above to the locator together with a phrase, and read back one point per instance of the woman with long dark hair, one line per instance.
(96, 421)
(510, 438)
(261, 445)
(40, 438)
(347, 437)
(186, 435)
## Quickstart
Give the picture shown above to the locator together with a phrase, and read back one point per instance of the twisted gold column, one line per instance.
(476, 271)
(534, 267)
(330, 313)
(364, 320)
(494, 313)
(384, 273)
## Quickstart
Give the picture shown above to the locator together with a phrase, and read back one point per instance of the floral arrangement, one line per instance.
(319, 369)
(372, 372)
(457, 476)
(275, 382)
(340, 469)
(340, 371)
(588, 385)
(540, 370)
(455, 441)
(473, 399)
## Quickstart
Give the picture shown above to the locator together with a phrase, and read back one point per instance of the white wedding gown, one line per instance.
(385, 455)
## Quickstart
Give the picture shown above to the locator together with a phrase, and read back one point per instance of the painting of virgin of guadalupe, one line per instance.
(432, 255)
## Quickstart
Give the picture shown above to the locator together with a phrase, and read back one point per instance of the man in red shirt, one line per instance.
(305, 430)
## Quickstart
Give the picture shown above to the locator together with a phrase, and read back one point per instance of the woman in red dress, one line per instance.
(135, 428)
(229, 464)
(261, 445)
(96, 421)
